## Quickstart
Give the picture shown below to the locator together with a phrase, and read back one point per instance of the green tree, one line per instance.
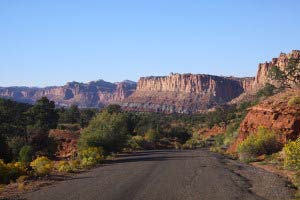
(43, 114)
(26, 154)
(107, 130)
(288, 76)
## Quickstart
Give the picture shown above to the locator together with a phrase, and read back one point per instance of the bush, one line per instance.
(105, 130)
(263, 142)
(11, 171)
(190, 144)
(294, 101)
(65, 166)
(91, 156)
(26, 154)
(266, 91)
(151, 136)
(137, 142)
(292, 154)
(42, 166)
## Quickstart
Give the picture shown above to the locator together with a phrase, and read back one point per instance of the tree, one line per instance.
(288, 76)
(43, 115)
(107, 130)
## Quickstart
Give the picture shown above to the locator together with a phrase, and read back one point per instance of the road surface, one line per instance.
(169, 175)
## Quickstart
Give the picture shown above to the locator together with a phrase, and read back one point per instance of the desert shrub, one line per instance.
(263, 142)
(190, 144)
(106, 130)
(152, 136)
(294, 101)
(266, 91)
(219, 140)
(91, 156)
(231, 133)
(42, 166)
(15, 144)
(292, 154)
(11, 171)
(26, 154)
(137, 142)
(65, 166)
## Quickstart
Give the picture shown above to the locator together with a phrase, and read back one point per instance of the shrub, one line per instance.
(65, 166)
(263, 142)
(152, 136)
(11, 171)
(105, 130)
(42, 166)
(91, 156)
(292, 154)
(26, 154)
(190, 144)
(294, 101)
(137, 142)
(266, 91)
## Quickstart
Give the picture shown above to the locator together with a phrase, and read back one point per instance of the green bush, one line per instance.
(66, 166)
(42, 166)
(266, 91)
(262, 142)
(137, 142)
(190, 144)
(294, 101)
(152, 136)
(91, 156)
(106, 130)
(292, 154)
(26, 154)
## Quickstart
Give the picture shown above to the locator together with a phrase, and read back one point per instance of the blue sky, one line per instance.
(52, 42)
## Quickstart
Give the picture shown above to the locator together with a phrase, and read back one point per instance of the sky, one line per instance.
(51, 42)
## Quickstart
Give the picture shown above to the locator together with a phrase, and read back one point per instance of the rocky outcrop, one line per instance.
(211, 132)
(273, 113)
(66, 142)
(262, 74)
(93, 94)
(185, 93)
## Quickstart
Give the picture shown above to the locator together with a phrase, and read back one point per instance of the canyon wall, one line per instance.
(184, 93)
(262, 74)
(93, 94)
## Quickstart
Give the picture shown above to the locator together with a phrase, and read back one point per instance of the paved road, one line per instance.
(169, 175)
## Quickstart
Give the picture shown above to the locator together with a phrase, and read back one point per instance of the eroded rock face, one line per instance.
(93, 94)
(185, 93)
(263, 68)
(273, 113)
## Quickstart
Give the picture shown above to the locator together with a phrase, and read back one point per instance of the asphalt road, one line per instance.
(169, 175)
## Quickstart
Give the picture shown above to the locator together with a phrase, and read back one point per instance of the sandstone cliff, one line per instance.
(185, 93)
(273, 113)
(94, 94)
(263, 68)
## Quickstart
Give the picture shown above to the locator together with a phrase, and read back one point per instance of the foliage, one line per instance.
(190, 144)
(289, 75)
(294, 101)
(91, 156)
(152, 136)
(262, 142)
(66, 166)
(42, 166)
(43, 115)
(25, 155)
(266, 91)
(11, 171)
(105, 130)
(292, 154)
(137, 142)
(15, 144)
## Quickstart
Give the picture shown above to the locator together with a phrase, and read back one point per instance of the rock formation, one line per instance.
(185, 93)
(262, 74)
(93, 94)
(273, 113)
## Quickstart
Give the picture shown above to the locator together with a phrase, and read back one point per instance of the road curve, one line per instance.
(169, 175)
